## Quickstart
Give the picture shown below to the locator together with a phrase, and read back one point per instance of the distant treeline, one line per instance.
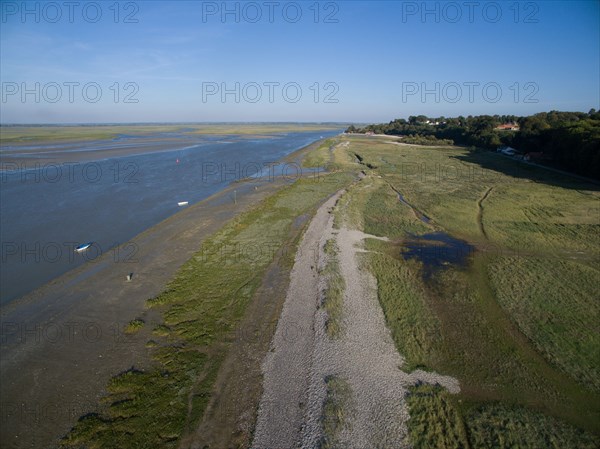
(568, 140)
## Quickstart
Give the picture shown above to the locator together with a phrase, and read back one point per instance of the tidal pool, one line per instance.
(436, 251)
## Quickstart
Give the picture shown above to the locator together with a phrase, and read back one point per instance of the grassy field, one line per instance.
(201, 308)
(41, 134)
(518, 325)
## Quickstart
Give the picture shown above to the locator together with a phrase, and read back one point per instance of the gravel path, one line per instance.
(364, 355)
(286, 367)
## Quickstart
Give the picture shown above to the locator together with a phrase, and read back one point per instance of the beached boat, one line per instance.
(81, 248)
(182, 203)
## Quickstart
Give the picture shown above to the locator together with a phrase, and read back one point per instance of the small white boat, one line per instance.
(182, 203)
(81, 248)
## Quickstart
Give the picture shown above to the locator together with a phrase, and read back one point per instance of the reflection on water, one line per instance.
(436, 251)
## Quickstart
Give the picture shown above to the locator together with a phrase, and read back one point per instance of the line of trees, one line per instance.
(569, 140)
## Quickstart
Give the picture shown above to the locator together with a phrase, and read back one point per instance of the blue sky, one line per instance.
(374, 58)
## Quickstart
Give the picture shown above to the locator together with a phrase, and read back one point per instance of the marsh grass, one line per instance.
(333, 300)
(434, 421)
(502, 426)
(337, 408)
(533, 291)
(515, 327)
(321, 157)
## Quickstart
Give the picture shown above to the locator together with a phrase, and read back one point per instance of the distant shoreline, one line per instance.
(66, 133)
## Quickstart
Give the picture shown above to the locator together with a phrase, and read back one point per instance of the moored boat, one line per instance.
(81, 248)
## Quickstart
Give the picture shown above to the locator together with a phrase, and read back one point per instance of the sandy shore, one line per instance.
(63, 342)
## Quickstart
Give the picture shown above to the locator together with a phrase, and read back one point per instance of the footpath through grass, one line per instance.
(201, 308)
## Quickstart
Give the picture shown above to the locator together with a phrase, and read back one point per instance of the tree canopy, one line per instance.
(569, 140)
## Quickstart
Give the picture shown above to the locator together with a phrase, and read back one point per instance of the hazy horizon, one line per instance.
(249, 122)
(351, 62)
